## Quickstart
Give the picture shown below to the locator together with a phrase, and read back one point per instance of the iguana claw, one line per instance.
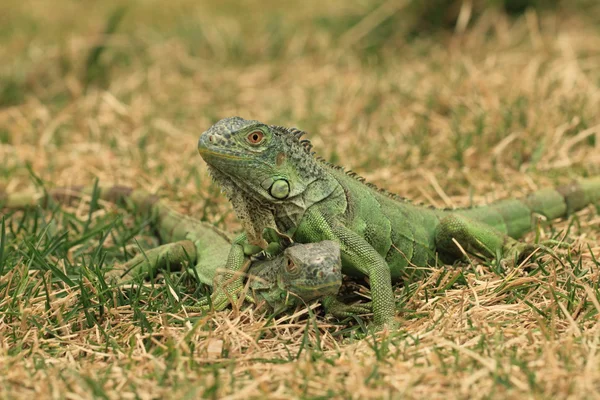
(520, 252)
(338, 309)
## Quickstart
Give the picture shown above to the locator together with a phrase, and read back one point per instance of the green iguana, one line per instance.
(301, 274)
(273, 180)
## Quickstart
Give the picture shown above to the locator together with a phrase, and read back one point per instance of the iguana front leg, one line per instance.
(230, 282)
(476, 238)
(227, 285)
(358, 253)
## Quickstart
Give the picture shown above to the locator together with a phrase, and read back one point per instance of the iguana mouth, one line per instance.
(211, 146)
(210, 153)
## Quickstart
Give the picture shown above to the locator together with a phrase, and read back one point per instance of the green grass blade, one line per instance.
(2, 244)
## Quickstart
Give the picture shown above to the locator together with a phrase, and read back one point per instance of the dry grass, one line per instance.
(509, 106)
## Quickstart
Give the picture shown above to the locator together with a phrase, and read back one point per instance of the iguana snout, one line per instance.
(233, 138)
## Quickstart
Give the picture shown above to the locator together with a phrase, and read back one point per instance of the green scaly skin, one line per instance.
(274, 181)
(301, 274)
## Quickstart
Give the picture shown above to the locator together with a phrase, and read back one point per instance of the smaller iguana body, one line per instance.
(301, 274)
(273, 180)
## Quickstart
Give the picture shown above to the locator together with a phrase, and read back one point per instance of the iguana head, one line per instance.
(269, 163)
(305, 272)
(312, 270)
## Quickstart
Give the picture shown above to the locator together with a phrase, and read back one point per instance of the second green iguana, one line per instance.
(301, 274)
(273, 180)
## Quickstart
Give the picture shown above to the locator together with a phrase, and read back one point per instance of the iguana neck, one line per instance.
(322, 186)
(254, 215)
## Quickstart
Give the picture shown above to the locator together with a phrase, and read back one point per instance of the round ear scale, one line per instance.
(280, 189)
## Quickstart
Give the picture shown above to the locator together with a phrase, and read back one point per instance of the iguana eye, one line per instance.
(291, 267)
(255, 137)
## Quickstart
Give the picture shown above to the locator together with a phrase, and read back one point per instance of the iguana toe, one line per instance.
(517, 254)
(338, 309)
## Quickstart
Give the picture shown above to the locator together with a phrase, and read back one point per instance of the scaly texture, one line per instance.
(274, 181)
(301, 274)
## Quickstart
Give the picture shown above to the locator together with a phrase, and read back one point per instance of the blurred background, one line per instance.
(99, 88)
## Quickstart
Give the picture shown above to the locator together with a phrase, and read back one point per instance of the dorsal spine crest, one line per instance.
(307, 146)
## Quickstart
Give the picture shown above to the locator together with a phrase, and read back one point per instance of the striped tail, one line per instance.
(515, 217)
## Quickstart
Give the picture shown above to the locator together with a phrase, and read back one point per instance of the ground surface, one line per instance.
(451, 118)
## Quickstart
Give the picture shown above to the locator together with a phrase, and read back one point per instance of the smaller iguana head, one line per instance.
(312, 270)
(306, 272)
(268, 163)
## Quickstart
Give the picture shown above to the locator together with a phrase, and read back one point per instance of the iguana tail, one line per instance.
(515, 216)
(171, 225)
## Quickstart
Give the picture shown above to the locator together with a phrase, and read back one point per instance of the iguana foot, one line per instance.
(277, 242)
(518, 252)
(206, 305)
(458, 236)
(338, 309)
(224, 294)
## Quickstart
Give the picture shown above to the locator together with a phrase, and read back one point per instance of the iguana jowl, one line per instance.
(300, 274)
(273, 180)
